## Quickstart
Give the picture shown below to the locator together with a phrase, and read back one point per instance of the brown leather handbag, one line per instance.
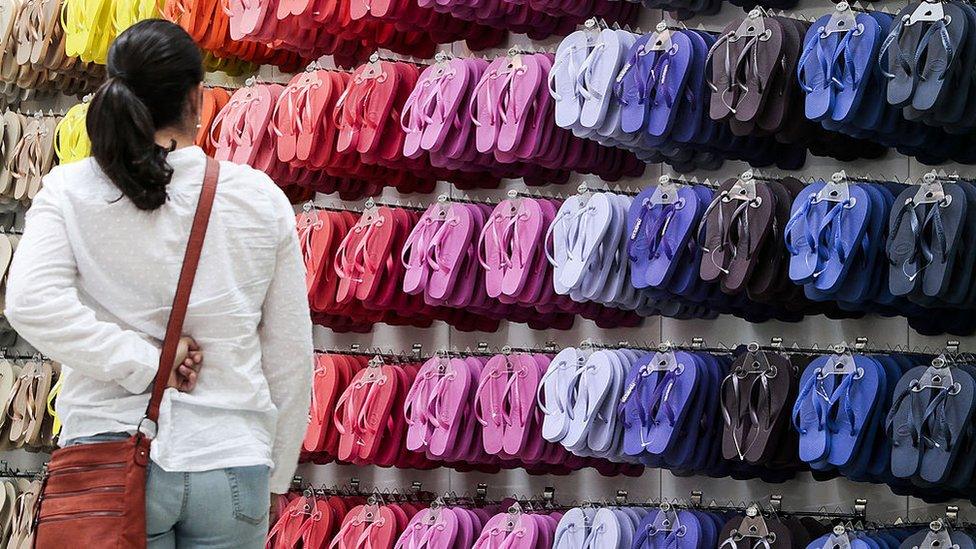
(94, 495)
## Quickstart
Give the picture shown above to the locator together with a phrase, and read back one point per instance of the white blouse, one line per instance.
(91, 286)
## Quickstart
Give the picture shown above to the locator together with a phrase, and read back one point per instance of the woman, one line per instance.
(93, 279)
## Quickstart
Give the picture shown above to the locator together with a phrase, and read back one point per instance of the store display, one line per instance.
(361, 99)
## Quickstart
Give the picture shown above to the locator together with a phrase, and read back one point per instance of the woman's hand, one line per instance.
(186, 366)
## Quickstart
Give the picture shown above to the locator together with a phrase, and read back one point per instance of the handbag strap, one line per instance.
(174, 327)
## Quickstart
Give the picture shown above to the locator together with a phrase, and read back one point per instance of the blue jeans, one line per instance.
(219, 509)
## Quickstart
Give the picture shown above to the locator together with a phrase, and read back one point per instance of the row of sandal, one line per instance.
(405, 267)
(472, 413)
(697, 527)
(343, 522)
(670, 96)
(492, 261)
(887, 247)
(678, 410)
(330, 518)
(349, 31)
(391, 124)
(885, 78)
(208, 22)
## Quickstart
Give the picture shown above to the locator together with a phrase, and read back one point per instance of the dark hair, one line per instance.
(152, 68)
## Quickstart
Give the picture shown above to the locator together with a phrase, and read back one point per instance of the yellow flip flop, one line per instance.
(71, 138)
(51, 398)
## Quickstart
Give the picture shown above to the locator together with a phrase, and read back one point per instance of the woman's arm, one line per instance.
(286, 349)
(42, 304)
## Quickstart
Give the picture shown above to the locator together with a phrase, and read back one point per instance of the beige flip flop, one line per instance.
(52, 423)
(46, 160)
(8, 18)
(22, 162)
(13, 129)
(7, 515)
(37, 403)
(50, 14)
(6, 254)
(18, 404)
(23, 523)
(7, 379)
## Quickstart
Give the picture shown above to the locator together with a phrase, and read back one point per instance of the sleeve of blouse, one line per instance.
(286, 348)
(43, 305)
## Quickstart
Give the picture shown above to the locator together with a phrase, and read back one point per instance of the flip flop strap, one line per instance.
(740, 221)
(577, 241)
(728, 416)
(667, 403)
(485, 383)
(891, 41)
(934, 216)
(550, 237)
(413, 115)
(659, 75)
(637, 81)
(938, 231)
(591, 538)
(287, 98)
(708, 60)
(434, 401)
(556, 66)
(306, 235)
(703, 223)
(473, 102)
(364, 540)
(906, 208)
(413, 412)
(513, 238)
(807, 392)
(893, 411)
(653, 232)
(850, 67)
(942, 28)
(824, 243)
(751, 49)
(432, 250)
(833, 399)
(762, 396)
(801, 214)
(491, 226)
(560, 532)
(935, 413)
(658, 398)
(586, 73)
(546, 378)
(368, 401)
(426, 221)
(842, 51)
